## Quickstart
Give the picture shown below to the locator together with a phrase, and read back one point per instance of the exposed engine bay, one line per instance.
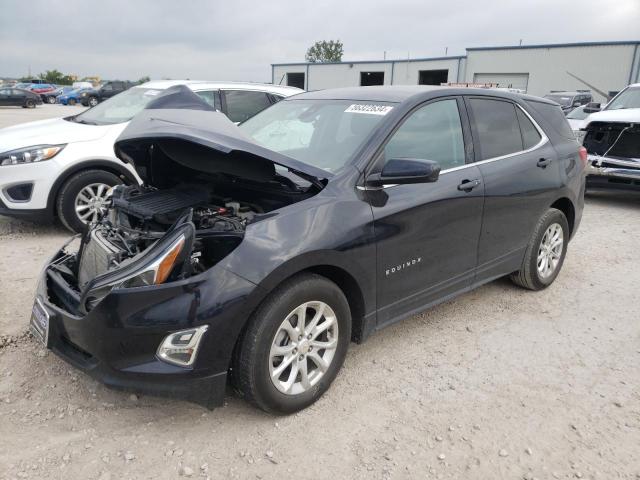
(140, 216)
(140, 225)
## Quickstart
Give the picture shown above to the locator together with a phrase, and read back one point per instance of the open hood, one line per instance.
(178, 127)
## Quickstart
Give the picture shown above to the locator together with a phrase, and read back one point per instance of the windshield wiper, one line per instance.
(315, 181)
(85, 122)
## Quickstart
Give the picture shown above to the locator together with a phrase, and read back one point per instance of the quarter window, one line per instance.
(242, 105)
(433, 132)
(211, 97)
(497, 128)
(530, 134)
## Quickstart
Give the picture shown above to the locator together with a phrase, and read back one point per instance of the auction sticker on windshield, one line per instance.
(369, 109)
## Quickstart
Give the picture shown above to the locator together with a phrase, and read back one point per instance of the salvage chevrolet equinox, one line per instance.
(256, 253)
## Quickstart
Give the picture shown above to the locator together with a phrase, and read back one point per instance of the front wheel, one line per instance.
(294, 345)
(83, 198)
(51, 100)
(30, 104)
(545, 252)
(93, 101)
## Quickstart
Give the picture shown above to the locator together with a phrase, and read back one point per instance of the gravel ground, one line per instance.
(498, 383)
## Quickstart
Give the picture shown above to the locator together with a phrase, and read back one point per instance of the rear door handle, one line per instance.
(543, 162)
(468, 185)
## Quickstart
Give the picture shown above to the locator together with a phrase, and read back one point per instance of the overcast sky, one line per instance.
(238, 39)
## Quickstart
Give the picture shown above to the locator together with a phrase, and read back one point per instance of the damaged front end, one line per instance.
(149, 237)
(613, 154)
(138, 302)
(204, 183)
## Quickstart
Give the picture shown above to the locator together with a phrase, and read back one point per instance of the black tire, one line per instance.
(250, 372)
(65, 202)
(528, 276)
(71, 101)
(51, 100)
(92, 102)
(30, 103)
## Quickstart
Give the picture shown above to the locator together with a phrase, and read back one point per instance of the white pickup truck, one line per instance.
(612, 140)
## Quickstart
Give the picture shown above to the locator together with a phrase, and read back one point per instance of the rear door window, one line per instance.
(497, 130)
(243, 104)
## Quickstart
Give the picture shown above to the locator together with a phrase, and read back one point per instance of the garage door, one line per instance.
(510, 80)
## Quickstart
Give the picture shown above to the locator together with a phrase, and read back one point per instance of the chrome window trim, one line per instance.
(543, 141)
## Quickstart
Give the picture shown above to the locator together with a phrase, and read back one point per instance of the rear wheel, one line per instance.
(51, 100)
(82, 199)
(294, 345)
(30, 103)
(545, 252)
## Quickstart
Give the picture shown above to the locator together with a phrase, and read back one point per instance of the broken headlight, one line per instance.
(153, 267)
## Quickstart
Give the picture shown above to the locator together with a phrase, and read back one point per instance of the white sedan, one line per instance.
(63, 167)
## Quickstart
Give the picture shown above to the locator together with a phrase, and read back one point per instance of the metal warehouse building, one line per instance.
(537, 69)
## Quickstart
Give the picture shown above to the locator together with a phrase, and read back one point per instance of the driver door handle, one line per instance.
(468, 185)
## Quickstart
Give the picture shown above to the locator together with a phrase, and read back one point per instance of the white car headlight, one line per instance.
(37, 153)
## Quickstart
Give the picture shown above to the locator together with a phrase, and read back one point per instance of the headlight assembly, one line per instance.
(153, 267)
(37, 153)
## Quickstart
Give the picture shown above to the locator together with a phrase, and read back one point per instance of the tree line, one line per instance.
(57, 77)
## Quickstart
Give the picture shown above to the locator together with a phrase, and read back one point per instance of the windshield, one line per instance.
(119, 108)
(322, 133)
(628, 98)
(577, 114)
(564, 100)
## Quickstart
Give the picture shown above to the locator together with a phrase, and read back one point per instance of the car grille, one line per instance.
(608, 138)
(98, 255)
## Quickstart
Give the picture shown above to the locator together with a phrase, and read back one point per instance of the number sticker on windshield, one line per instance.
(369, 109)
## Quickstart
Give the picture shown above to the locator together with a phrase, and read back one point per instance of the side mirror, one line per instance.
(400, 171)
(592, 107)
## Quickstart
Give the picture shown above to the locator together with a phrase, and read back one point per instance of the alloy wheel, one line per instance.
(93, 102)
(550, 250)
(92, 201)
(303, 348)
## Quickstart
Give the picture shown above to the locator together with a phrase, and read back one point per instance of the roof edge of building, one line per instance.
(395, 60)
(468, 49)
(557, 45)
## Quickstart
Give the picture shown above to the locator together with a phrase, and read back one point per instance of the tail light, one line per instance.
(583, 155)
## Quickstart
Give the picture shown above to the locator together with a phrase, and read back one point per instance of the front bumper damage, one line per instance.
(116, 342)
(607, 172)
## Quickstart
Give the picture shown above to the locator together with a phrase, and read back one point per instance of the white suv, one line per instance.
(63, 167)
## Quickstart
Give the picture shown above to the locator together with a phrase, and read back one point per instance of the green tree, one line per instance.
(53, 76)
(144, 79)
(325, 51)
